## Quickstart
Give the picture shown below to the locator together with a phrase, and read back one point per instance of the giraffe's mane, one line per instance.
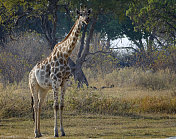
(68, 33)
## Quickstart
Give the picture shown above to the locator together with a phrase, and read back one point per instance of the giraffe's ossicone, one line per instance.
(54, 72)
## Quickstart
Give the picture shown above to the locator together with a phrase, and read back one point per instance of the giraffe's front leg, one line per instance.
(56, 107)
(63, 87)
(36, 111)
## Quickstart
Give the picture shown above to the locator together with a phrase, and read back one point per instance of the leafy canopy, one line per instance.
(154, 15)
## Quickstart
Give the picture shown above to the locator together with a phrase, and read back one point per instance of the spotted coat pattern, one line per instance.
(52, 73)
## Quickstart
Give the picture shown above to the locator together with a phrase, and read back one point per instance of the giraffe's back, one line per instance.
(52, 72)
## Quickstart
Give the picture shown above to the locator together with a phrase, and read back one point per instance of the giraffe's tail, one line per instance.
(32, 108)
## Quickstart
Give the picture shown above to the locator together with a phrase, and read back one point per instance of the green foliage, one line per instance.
(154, 15)
(38, 16)
(165, 58)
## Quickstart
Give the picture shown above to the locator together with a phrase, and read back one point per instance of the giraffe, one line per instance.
(53, 72)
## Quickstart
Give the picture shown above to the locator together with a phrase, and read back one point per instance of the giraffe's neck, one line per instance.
(68, 44)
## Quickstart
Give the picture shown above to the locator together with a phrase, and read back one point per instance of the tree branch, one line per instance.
(86, 50)
(82, 42)
(125, 48)
(103, 52)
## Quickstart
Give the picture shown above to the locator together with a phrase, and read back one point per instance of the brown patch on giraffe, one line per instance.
(73, 43)
(50, 59)
(60, 48)
(61, 61)
(56, 64)
(67, 68)
(54, 58)
(59, 75)
(55, 78)
(47, 68)
(38, 65)
(76, 34)
(44, 61)
(69, 51)
(67, 74)
(61, 68)
(66, 55)
(42, 67)
(59, 79)
(52, 64)
(58, 54)
(65, 62)
(74, 39)
(54, 52)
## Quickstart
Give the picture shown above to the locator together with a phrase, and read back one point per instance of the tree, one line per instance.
(157, 16)
(43, 17)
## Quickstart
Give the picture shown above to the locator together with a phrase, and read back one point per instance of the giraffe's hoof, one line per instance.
(63, 134)
(56, 135)
(38, 135)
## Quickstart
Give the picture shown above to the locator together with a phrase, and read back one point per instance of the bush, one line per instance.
(19, 56)
(162, 79)
(87, 101)
(14, 101)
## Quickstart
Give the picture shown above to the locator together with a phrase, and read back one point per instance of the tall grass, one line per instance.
(15, 99)
(162, 79)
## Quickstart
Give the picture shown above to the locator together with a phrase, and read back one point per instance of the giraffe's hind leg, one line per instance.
(36, 111)
(34, 88)
(63, 89)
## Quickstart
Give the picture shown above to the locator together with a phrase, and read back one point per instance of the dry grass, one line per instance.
(124, 111)
(125, 98)
(138, 78)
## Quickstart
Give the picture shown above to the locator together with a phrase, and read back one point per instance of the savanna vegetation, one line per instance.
(118, 94)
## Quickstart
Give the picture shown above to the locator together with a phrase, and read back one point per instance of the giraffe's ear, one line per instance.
(77, 11)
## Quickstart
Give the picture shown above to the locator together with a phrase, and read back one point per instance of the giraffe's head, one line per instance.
(84, 15)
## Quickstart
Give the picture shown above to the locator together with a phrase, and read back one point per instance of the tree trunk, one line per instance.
(108, 44)
(79, 75)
